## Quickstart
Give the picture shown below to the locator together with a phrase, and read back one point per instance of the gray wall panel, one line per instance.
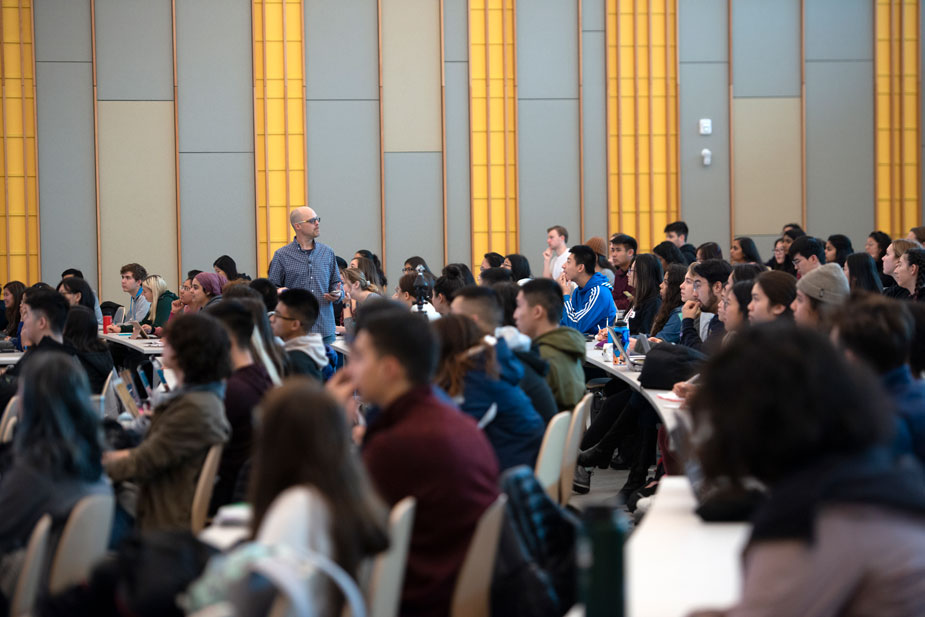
(458, 204)
(547, 49)
(62, 30)
(456, 30)
(66, 175)
(413, 210)
(840, 162)
(593, 15)
(766, 48)
(548, 174)
(702, 31)
(211, 184)
(134, 58)
(343, 172)
(705, 190)
(215, 76)
(839, 30)
(594, 113)
(341, 49)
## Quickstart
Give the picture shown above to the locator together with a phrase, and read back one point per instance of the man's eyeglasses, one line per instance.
(313, 220)
(273, 314)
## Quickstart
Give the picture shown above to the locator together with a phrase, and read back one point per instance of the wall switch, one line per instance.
(706, 126)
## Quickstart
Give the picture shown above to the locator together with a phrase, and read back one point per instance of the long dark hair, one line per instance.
(648, 277)
(368, 268)
(670, 253)
(80, 330)
(77, 285)
(743, 295)
(520, 266)
(749, 250)
(227, 265)
(862, 273)
(303, 439)
(883, 243)
(916, 257)
(59, 431)
(672, 300)
(13, 315)
(378, 264)
(468, 278)
(780, 288)
(843, 248)
(709, 250)
(460, 344)
(451, 281)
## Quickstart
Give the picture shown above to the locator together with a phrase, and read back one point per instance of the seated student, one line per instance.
(482, 305)
(267, 291)
(743, 251)
(132, 275)
(226, 266)
(406, 294)
(184, 301)
(772, 297)
(80, 332)
(780, 260)
(97, 312)
(666, 326)
(910, 273)
(603, 265)
(370, 272)
(266, 349)
(77, 292)
(491, 260)
(519, 267)
(483, 379)
(709, 250)
(55, 462)
(734, 313)
(668, 254)
(166, 464)
(843, 529)
(807, 254)
(676, 233)
(377, 264)
(155, 291)
(645, 277)
(12, 301)
(539, 304)
(891, 258)
(590, 307)
(43, 316)
(357, 290)
(450, 281)
(622, 255)
(422, 447)
(819, 294)
(243, 390)
(862, 275)
(412, 263)
(837, 249)
(707, 281)
(206, 289)
(292, 321)
(879, 331)
(877, 244)
(491, 276)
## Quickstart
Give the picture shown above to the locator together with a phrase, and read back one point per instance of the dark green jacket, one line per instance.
(161, 315)
(564, 349)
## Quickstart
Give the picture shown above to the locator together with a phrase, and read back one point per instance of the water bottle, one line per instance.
(599, 557)
(623, 331)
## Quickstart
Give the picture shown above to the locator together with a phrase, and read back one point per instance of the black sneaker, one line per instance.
(581, 484)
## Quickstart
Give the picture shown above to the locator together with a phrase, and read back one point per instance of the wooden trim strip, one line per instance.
(732, 210)
(877, 136)
(96, 150)
(892, 101)
(266, 133)
(803, 113)
(901, 95)
(176, 139)
(6, 174)
(25, 149)
(285, 40)
(651, 137)
(636, 112)
(471, 133)
(608, 217)
(619, 118)
(918, 107)
(443, 132)
(491, 227)
(669, 198)
(581, 130)
(504, 119)
(304, 101)
(677, 118)
(381, 142)
(516, 129)
(35, 117)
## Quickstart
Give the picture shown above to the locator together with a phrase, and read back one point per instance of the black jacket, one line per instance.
(690, 337)
(534, 384)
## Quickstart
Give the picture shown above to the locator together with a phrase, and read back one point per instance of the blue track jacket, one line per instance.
(591, 307)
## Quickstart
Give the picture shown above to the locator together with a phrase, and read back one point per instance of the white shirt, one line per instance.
(556, 264)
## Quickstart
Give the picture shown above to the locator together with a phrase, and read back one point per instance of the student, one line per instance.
(603, 265)
(879, 331)
(843, 529)
(910, 273)
(132, 276)
(412, 263)
(357, 290)
(483, 380)
(837, 249)
(891, 257)
(876, 246)
(12, 301)
(292, 322)
(792, 227)
(512, 350)
(622, 255)
(668, 254)
(709, 250)
(735, 308)
(645, 276)
(303, 440)
(772, 296)
(206, 289)
(492, 276)
(80, 332)
(806, 253)
(419, 446)
(590, 307)
(451, 280)
(556, 253)
(519, 267)
(166, 464)
(781, 261)
(227, 267)
(155, 291)
(405, 293)
(96, 302)
(267, 291)
(676, 233)
(55, 458)
(244, 388)
(370, 273)
(77, 292)
(666, 327)
(819, 294)
(539, 305)
(383, 282)
(917, 234)
(708, 278)
(861, 271)
(491, 260)
(744, 251)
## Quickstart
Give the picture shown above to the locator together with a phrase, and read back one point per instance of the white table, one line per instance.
(10, 358)
(150, 347)
(340, 345)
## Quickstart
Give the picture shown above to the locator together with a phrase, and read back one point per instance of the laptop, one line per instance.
(633, 361)
(642, 346)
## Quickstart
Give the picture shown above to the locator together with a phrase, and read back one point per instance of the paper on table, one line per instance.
(671, 397)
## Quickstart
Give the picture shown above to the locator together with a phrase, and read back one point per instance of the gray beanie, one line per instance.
(826, 283)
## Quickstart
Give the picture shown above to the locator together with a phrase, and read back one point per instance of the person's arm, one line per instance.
(335, 285)
(671, 331)
(276, 273)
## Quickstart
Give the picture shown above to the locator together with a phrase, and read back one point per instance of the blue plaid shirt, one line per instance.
(314, 270)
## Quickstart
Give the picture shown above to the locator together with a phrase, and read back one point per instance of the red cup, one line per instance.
(107, 321)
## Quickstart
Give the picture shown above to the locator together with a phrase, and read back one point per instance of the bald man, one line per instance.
(308, 264)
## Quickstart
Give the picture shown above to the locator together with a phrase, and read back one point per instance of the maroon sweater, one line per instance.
(621, 285)
(422, 447)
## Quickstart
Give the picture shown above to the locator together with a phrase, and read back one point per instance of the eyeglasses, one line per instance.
(407, 269)
(273, 314)
(185, 288)
(313, 220)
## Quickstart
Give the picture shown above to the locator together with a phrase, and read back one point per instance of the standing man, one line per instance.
(308, 264)
(557, 252)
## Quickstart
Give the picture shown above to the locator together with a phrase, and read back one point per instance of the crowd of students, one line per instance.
(811, 388)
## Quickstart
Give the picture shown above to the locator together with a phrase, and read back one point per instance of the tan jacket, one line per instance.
(167, 463)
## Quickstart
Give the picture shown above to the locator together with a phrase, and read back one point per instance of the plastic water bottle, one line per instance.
(623, 331)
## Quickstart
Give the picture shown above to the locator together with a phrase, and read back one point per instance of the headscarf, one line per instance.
(212, 283)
